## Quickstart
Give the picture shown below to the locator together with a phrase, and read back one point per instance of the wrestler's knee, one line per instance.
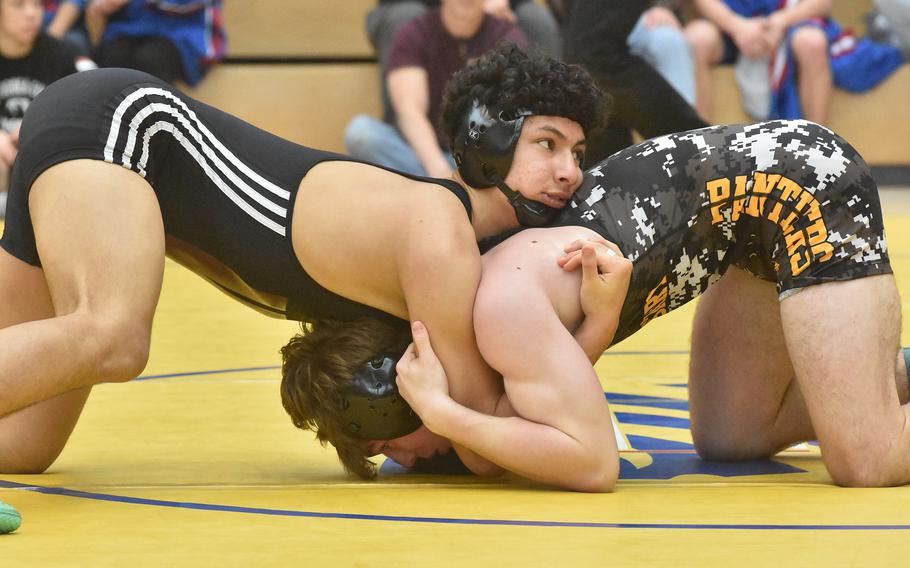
(857, 467)
(120, 344)
(27, 461)
(713, 443)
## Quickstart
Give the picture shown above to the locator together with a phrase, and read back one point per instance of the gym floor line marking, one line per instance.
(437, 520)
(274, 367)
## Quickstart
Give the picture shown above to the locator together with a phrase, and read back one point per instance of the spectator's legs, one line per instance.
(159, 57)
(539, 25)
(642, 99)
(116, 53)
(79, 39)
(665, 48)
(381, 25)
(367, 138)
(707, 51)
(810, 48)
(156, 56)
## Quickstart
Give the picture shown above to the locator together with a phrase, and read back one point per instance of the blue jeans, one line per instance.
(667, 51)
(372, 140)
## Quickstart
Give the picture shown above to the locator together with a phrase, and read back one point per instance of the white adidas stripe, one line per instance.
(201, 135)
(207, 150)
(174, 130)
(216, 143)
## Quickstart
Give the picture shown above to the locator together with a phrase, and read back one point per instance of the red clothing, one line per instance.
(425, 42)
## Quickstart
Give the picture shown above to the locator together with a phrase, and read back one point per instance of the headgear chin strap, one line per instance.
(371, 407)
(483, 151)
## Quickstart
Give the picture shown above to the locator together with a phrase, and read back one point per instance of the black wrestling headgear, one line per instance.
(371, 407)
(484, 149)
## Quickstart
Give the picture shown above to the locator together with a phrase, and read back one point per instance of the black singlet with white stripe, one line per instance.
(226, 188)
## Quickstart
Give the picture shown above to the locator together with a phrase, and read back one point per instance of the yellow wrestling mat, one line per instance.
(196, 464)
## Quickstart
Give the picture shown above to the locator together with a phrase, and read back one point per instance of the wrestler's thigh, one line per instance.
(843, 338)
(740, 373)
(100, 238)
(32, 438)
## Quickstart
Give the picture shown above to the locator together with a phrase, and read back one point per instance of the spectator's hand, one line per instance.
(658, 17)
(499, 9)
(751, 37)
(104, 8)
(9, 147)
(775, 29)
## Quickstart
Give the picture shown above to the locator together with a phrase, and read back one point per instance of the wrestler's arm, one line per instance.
(439, 267)
(563, 435)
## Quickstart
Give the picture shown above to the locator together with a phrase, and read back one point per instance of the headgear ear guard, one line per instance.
(371, 408)
(483, 150)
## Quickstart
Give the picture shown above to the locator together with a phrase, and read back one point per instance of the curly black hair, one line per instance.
(513, 80)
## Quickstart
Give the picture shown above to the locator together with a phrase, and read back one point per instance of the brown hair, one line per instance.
(315, 365)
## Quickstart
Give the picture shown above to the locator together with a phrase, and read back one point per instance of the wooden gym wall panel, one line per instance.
(297, 28)
(308, 104)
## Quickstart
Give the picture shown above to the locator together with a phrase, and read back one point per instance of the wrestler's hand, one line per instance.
(421, 379)
(605, 277)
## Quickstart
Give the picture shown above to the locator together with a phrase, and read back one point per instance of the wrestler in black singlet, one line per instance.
(226, 188)
(789, 201)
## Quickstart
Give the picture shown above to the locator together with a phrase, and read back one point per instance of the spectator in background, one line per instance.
(29, 61)
(171, 39)
(426, 52)
(537, 22)
(799, 51)
(596, 36)
(64, 21)
(756, 29)
(658, 38)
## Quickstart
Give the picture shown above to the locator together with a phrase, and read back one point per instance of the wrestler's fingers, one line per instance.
(570, 261)
(409, 355)
(575, 245)
(421, 337)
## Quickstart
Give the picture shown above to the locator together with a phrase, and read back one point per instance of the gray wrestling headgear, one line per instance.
(483, 150)
(371, 407)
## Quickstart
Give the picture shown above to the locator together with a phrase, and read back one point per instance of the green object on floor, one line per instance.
(10, 519)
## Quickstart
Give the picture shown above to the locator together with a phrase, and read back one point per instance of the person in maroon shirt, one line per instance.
(426, 52)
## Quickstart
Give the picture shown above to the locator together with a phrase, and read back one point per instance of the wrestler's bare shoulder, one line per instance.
(364, 186)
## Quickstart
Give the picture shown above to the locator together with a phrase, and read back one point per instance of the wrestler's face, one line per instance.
(20, 20)
(405, 450)
(547, 162)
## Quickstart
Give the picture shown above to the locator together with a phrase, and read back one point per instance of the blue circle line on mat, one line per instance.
(437, 520)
